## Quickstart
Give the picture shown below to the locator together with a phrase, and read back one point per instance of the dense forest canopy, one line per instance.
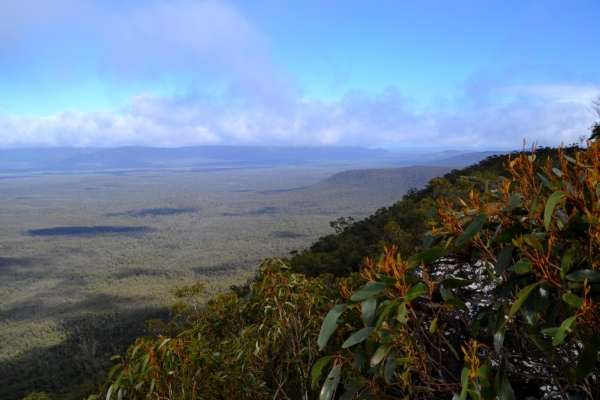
(482, 285)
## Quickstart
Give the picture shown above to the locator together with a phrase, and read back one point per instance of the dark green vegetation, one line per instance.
(85, 259)
(517, 319)
(504, 304)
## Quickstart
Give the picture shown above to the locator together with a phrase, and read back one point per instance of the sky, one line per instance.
(400, 75)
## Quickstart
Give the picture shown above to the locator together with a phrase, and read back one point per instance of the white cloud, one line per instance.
(356, 120)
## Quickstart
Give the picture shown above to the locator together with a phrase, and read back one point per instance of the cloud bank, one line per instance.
(357, 120)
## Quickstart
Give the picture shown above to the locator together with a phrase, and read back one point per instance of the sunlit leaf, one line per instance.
(317, 369)
(572, 300)
(550, 205)
(380, 354)
(331, 383)
(563, 330)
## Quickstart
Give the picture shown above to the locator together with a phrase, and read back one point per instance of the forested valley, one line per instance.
(483, 284)
(87, 257)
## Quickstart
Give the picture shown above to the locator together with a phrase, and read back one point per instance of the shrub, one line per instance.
(526, 322)
(257, 347)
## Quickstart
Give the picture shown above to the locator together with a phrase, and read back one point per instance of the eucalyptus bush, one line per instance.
(521, 318)
(262, 346)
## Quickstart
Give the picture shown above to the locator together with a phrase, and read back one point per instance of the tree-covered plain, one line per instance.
(498, 301)
(87, 258)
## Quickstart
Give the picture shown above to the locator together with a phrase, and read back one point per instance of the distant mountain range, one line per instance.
(90, 159)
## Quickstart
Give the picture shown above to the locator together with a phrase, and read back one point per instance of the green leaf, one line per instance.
(369, 307)
(446, 293)
(457, 303)
(562, 330)
(464, 382)
(428, 256)
(456, 282)
(550, 331)
(523, 293)
(557, 172)
(515, 200)
(329, 325)
(164, 342)
(550, 205)
(474, 227)
(544, 179)
(582, 275)
(415, 292)
(358, 337)
(317, 369)
(483, 372)
(386, 309)
(380, 354)
(535, 243)
(390, 368)
(572, 300)
(565, 263)
(406, 360)
(499, 339)
(504, 259)
(109, 392)
(507, 235)
(402, 314)
(433, 326)
(522, 266)
(331, 383)
(589, 356)
(501, 383)
(499, 320)
(541, 344)
(370, 289)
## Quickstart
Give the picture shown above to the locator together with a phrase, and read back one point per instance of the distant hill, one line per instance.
(90, 159)
(465, 159)
(378, 187)
(85, 159)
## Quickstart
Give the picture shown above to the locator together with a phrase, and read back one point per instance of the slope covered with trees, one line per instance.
(482, 285)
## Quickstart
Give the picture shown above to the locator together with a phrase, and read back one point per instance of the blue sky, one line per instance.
(394, 74)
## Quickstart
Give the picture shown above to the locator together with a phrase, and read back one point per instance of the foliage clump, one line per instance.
(530, 328)
(259, 347)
